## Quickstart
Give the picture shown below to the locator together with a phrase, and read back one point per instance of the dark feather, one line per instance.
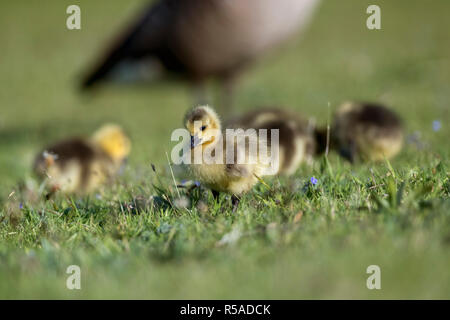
(146, 37)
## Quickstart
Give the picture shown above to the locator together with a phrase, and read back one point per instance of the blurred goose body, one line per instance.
(199, 39)
(235, 177)
(79, 165)
(296, 140)
(366, 131)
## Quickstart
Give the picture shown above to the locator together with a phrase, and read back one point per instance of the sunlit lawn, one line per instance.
(292, 241)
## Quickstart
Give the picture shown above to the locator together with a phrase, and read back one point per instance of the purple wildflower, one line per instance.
(314, 180)
(436, 125)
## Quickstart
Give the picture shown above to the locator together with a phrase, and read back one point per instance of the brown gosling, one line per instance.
(297, 143)
(366, 131)
(79, 165)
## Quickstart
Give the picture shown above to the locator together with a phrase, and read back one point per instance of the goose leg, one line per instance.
(227, 95)
(200, 94)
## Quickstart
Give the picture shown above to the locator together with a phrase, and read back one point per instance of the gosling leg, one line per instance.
(215, 195)
(235, 202)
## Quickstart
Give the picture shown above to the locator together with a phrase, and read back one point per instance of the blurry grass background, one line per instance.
(171, 254)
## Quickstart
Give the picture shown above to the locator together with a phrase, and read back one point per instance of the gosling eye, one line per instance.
(203, 128)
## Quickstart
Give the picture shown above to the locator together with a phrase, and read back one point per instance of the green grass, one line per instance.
(396, 216)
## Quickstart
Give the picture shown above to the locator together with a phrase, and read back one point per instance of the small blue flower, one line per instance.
(436, 125)
(314, 180)
(21, 206)
(197, 183)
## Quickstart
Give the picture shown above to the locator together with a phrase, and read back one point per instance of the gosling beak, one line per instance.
(195, 141)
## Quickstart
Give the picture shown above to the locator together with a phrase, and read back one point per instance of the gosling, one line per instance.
(366, 131)
(297, 143)
(233, 177)
(80, 165)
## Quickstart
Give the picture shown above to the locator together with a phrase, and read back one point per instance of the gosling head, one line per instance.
(203, 125)
(113, 140)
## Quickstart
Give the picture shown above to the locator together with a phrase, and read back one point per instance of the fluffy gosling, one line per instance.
(207, 137)
(79, 165)
(366, 131)
(297, 143)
